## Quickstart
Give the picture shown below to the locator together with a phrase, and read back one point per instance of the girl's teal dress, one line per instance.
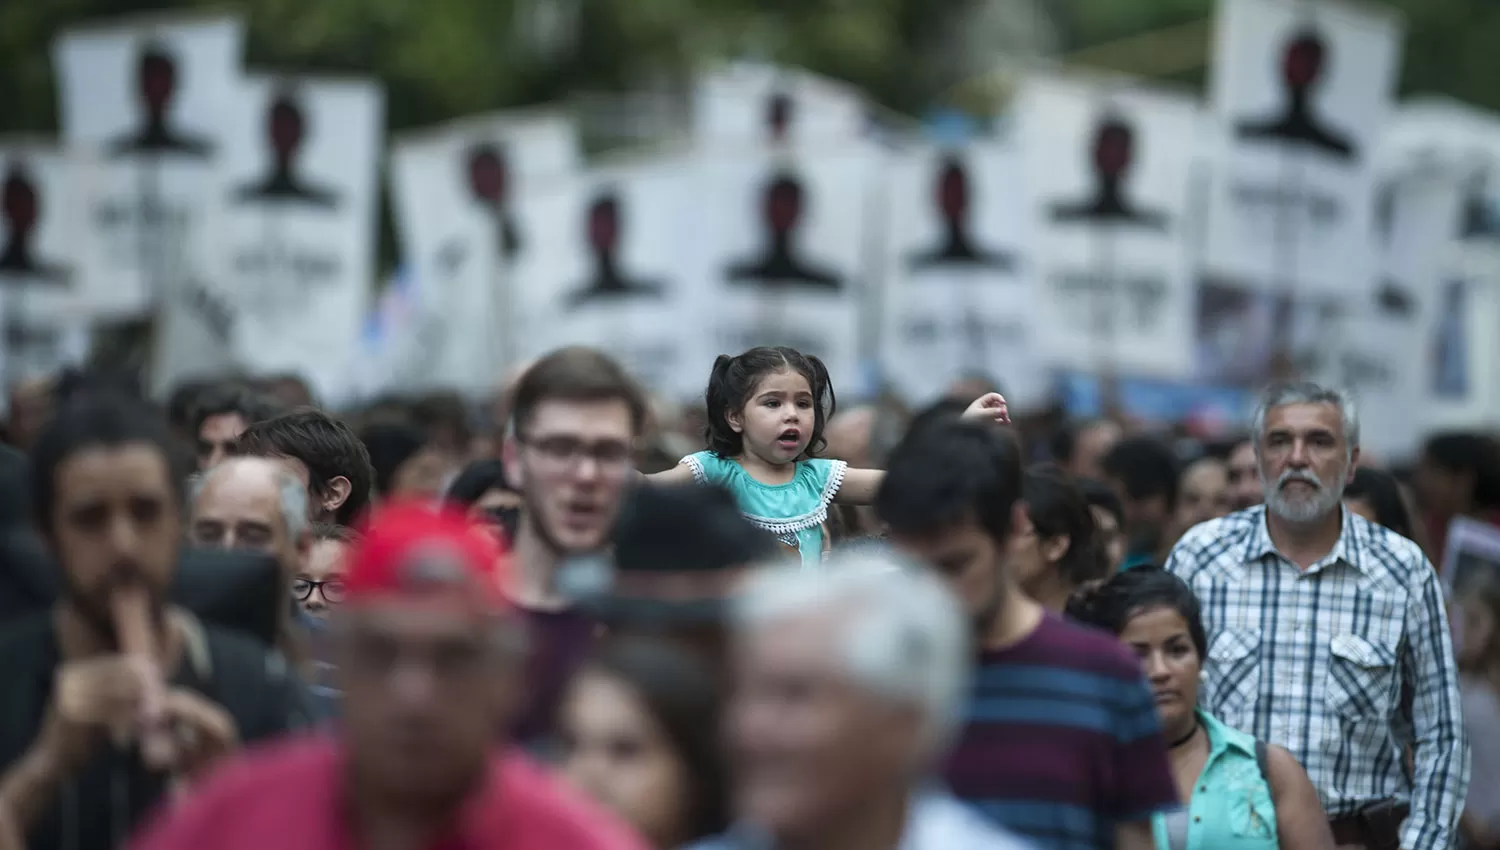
(794, 511)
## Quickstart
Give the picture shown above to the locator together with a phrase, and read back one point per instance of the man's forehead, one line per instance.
(140, 464)
(1305, 416)
(592, 420)
(397, 619)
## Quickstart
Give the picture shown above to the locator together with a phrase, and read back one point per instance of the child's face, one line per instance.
(777, 422)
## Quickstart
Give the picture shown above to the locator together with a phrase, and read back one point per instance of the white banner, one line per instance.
(456, 191)
(300, 184)
(1301, 91)
(959, 299)
(146, 102)
(1109, 169)
(38, 282)
(611, 267)
(783, 235)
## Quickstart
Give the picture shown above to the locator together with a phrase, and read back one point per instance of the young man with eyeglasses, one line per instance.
(575, 419)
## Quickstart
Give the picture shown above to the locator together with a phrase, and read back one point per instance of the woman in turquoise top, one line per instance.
(1241, 794)
(766, 412)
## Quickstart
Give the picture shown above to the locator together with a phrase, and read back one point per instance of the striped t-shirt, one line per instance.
(1062, 742)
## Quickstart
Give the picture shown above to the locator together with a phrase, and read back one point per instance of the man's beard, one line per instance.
(1324, 499)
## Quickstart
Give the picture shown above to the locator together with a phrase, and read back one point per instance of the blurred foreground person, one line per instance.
(1062, 742)
(113, 697)
(680, 553)
(640, 734)
(1240, 793)
(430, 658)
(319, 588)
(324, 454)
(577, 417)
(849, 688)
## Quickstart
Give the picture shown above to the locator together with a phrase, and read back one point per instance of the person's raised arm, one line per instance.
(1301, 823)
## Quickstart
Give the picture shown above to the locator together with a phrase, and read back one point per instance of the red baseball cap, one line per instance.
(417, 552)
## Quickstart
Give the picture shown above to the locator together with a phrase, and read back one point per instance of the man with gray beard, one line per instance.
(1328, 634)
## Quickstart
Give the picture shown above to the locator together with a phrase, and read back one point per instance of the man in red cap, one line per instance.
(431, 664)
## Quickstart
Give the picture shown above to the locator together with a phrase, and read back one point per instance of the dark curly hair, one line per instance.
(734, 379)
(1113, 604)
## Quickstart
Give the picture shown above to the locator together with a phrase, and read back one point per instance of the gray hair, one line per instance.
(291, 495)
(904, 636)
(1305, 392)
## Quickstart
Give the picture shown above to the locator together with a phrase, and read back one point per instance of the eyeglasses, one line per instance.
(332, 590)
(561, 452)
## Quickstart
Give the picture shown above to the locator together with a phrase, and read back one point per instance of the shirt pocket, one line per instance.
(1360, 677)
(1234, 673)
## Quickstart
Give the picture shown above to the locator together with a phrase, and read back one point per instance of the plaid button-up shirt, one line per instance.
(1344, 664)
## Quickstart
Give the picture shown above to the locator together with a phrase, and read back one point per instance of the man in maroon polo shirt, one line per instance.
(431, 661)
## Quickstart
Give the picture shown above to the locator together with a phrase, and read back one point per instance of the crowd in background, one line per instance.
(1093, 634)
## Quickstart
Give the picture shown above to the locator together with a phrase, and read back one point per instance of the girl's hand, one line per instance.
(989, 407)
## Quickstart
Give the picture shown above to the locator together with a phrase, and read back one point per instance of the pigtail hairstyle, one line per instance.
(733, 380)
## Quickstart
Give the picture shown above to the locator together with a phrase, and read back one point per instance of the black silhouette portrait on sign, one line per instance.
(778, 266)
(489, 184)
(1302, 67)
(1113, 153)
(953, 203)
(286, 130)
(605, 226)
(21, 206)
(156, 85)
(779, 113)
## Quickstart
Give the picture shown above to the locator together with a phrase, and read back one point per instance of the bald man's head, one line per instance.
(253, 504)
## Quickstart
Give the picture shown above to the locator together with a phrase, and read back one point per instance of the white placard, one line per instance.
(783, 236)
(145, 102)
(610, 268)
(456, 191)
(1109, 169)
(753, 103)
(1301, 91)
(959, 299)
(300, 188)
(38, 280)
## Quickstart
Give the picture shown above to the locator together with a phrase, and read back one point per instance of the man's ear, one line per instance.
(1353, 466)
(510, 460)
(336, 493)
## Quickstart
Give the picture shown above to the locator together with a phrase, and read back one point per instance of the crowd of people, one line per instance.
(578, 617)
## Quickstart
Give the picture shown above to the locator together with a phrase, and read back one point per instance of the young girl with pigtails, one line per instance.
(767, 410)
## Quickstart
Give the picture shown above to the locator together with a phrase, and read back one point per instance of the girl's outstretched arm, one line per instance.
(859, 487)
(679, 474)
